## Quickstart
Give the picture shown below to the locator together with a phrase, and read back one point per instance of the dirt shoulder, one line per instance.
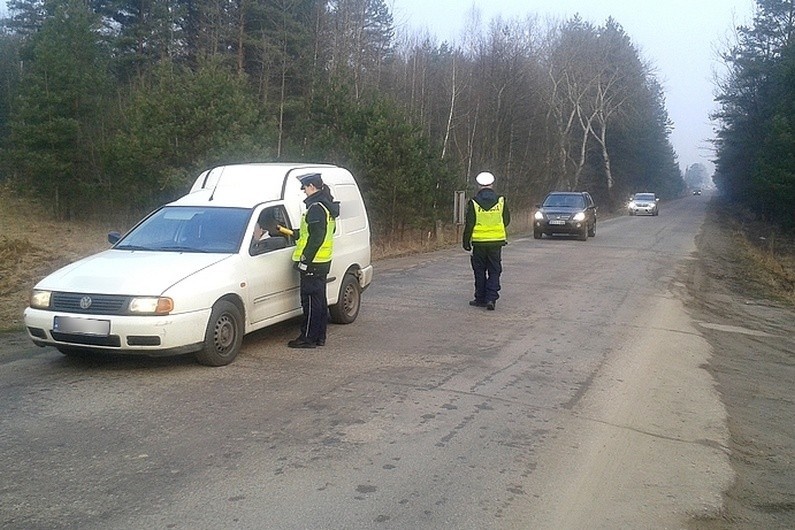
(744, 308)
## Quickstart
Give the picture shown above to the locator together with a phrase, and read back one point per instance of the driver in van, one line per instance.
(267, 226)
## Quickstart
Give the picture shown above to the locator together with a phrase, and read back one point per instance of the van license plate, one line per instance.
(85, 326)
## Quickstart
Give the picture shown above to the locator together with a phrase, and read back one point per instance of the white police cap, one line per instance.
(485, 179)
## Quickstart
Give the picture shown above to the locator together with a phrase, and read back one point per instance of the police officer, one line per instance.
(486, 217)
(312, 257)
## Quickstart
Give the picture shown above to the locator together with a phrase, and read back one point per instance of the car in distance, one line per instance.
(644, 204)
(697, 192)
(195, 275)
(565, 213)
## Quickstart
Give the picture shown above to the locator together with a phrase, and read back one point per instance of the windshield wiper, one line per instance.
(182, 248)
(131, 247)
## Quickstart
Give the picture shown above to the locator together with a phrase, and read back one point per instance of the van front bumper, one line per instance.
(147, 335)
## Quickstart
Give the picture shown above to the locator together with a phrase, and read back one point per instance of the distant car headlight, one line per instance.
(539, 216)
(152, 305)
(579, 216)
(40, 299)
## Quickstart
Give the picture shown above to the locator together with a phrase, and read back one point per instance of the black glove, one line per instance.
(300, 265)
(467, 247)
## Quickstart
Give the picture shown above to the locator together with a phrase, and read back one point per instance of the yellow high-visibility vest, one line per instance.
(324, 252)
(489, 226)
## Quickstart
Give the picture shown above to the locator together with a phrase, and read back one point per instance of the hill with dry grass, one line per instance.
(33, 245)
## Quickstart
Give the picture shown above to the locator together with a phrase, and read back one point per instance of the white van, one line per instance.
(188, 278)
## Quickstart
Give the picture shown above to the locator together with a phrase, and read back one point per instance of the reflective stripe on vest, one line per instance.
(488, 223)
(324, 252)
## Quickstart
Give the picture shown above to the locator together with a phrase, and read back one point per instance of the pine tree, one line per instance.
(57, 129)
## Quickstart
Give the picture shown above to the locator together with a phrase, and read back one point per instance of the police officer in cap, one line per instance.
(312, 257)
(486, 217)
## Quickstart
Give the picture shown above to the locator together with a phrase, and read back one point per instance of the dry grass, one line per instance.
(418, 242)
(769, 259)
(33, 245)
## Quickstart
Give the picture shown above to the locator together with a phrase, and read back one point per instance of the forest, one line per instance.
(755, 145)
(111, 107)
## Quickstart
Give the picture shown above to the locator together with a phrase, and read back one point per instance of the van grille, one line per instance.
(97, 304)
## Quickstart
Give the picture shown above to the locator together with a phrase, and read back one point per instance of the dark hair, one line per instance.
(266, 217)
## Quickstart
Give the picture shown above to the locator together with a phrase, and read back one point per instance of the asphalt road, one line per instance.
(580, 402)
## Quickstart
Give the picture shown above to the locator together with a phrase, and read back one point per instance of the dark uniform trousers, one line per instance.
(487, 266)
(315, 306)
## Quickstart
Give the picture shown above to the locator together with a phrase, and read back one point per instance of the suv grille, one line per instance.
(101, 304)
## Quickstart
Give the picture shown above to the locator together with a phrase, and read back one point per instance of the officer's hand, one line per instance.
(467, 247)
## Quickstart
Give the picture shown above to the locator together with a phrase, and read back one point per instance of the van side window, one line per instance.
(266, 236)
(352, 215)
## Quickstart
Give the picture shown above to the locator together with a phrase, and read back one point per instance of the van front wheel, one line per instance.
(346, 309)
(223, 336)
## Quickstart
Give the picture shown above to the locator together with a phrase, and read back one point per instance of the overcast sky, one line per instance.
(679, 37)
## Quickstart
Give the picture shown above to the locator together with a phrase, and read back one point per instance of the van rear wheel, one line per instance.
(349, 301)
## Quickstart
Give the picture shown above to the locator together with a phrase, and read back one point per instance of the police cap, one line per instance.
(311, 178)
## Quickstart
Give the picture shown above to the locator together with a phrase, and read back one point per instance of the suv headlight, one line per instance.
(40, 299)
(152, 305)
(539, 216)
(579, 216)
(631, 204)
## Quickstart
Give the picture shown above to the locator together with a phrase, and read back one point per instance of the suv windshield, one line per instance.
(189, 229)
(564, 201)
(644, 196)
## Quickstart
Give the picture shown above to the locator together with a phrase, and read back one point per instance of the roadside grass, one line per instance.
(771, 265)
(767, 253)
(33, 245)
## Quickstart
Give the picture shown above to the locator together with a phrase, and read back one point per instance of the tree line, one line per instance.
(116, 105)
(755, 143)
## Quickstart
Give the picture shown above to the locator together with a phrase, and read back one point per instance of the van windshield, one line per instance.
(189, 229)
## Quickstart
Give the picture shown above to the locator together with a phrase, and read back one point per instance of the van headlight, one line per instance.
(579, 216)
(40, 299)
(152, 305)
(539, 216)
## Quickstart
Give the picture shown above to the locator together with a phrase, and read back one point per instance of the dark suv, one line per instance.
(566, 212)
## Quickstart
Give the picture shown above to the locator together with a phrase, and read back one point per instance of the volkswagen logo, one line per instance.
(85, 302)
